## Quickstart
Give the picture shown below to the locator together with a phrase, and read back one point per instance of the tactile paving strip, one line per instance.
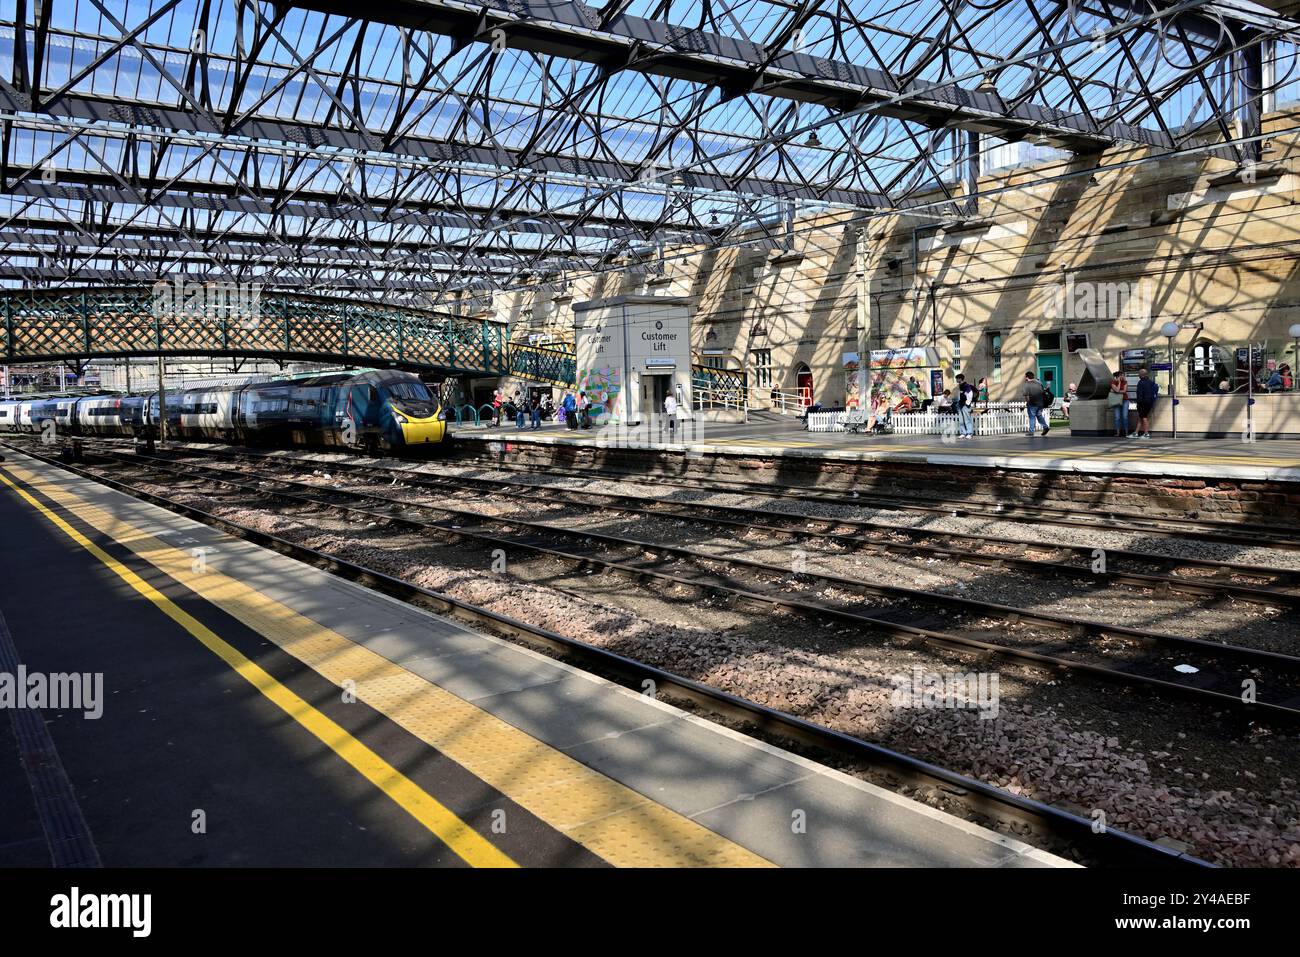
(66, 832)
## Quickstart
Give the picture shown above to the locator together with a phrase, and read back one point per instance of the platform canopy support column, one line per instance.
(971, 172)
(1250, 74)
(863, 291)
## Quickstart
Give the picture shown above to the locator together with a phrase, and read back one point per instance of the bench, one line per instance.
(855, 420)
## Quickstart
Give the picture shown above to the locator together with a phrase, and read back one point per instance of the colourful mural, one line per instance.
(902, 377)
(602, 387)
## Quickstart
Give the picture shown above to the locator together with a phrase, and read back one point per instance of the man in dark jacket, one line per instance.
(1147, 393)
(1035, 397)
(965, 408)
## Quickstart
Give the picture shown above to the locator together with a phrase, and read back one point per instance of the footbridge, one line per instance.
(77, 325)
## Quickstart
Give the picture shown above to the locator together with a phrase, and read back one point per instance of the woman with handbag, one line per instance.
(1117, 400)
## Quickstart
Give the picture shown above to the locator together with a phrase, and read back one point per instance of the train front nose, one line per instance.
(419, 429)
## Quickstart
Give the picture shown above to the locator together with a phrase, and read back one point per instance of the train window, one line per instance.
(372, 394)
(263, 406)
(410, 390)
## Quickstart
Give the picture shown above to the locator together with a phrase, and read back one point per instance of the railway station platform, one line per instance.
(782, 437)
(257, 711)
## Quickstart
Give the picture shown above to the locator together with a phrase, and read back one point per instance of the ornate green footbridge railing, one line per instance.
(542, 364)
(237, 320)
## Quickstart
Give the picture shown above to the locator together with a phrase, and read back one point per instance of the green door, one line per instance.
(1050, 369)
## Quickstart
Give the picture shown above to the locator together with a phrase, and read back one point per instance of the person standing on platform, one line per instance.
(1147, 393)
(535, 412)
(670, 410)
(569, 405)
(1117, 400)
(914, 391)
(965, 408)
(984, 394)
(1035, 398)
(497, 401)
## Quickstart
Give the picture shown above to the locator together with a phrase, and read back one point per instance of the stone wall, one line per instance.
(1200, 243)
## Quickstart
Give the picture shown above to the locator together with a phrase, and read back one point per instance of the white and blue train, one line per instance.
(374, 411)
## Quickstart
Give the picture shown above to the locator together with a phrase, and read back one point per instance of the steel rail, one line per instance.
(1107, 846)
(654, 507)
(915, 625)
(1233, 533)
(664, 507)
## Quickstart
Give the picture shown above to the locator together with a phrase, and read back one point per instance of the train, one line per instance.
(375, 411)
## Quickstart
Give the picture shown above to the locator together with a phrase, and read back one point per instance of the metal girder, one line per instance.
(426, 132)
(135, 237)
(122, 276)
(273, 129)
(249, 249)
(312, 204)
(574, 30)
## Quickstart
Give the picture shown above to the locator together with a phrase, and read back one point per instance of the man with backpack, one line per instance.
(1037, 397)
(965, 408)
(570, 407)
(1147, 393)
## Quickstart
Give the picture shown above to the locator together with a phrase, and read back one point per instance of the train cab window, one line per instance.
(410, 390)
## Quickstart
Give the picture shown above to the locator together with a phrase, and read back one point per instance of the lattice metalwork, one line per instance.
(41, 326)
(538, 364)
(406, 151)
(718, 380)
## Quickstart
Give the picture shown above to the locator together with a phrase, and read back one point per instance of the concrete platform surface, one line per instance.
(308, 720)
(771, 435)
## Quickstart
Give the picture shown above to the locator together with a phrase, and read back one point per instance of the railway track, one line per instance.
(1113, 653)
(1230, 533)
(1071, 832)
(1161, 573)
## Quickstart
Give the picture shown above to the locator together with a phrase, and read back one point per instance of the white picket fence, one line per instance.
(998, 422)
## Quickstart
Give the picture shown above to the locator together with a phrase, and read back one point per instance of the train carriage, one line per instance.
(375, 410)
(204, 414)
(100, 416)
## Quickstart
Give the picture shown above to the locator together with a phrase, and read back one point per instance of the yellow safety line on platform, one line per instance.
(446, 826)
(610, 819)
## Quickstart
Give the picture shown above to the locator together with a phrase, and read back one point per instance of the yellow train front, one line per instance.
(376, 411)
(409, 415)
